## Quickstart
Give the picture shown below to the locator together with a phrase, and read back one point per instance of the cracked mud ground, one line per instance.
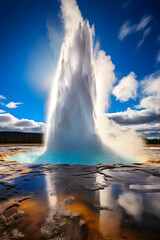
(79, 202)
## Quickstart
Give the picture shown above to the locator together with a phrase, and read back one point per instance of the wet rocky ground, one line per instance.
(79, 202)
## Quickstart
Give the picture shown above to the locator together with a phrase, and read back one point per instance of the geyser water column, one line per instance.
(72, 117)
(84, 78)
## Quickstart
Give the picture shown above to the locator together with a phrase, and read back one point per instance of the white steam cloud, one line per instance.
(102, 70)
(71, 15)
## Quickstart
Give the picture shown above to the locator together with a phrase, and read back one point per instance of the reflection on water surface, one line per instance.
(80, 202)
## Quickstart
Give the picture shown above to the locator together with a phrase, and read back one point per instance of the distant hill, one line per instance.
(20, 137)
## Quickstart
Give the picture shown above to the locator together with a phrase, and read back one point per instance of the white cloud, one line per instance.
(151, 91)
(150, 102)
(133, 117)
(10, 123)
(144, 130)
(2, 111)
(126, 88)
(126, 3)
(13, 104)
(158, 57)
(145, 34)
(148, 130)
(143, 23)
(7, 118)
(151, 83)
(2, 97)
(145, 122)
(126, 29)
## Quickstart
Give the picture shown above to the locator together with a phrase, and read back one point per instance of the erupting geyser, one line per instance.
(72, 121)
(78, 130)
(74, 105)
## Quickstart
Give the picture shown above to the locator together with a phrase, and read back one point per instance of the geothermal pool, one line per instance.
(69, 158)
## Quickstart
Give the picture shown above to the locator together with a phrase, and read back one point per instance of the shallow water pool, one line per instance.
(69, 158)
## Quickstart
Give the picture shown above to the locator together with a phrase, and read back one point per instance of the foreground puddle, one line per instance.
(79, 202)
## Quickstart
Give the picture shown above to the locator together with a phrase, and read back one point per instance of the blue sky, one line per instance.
(128, 31)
